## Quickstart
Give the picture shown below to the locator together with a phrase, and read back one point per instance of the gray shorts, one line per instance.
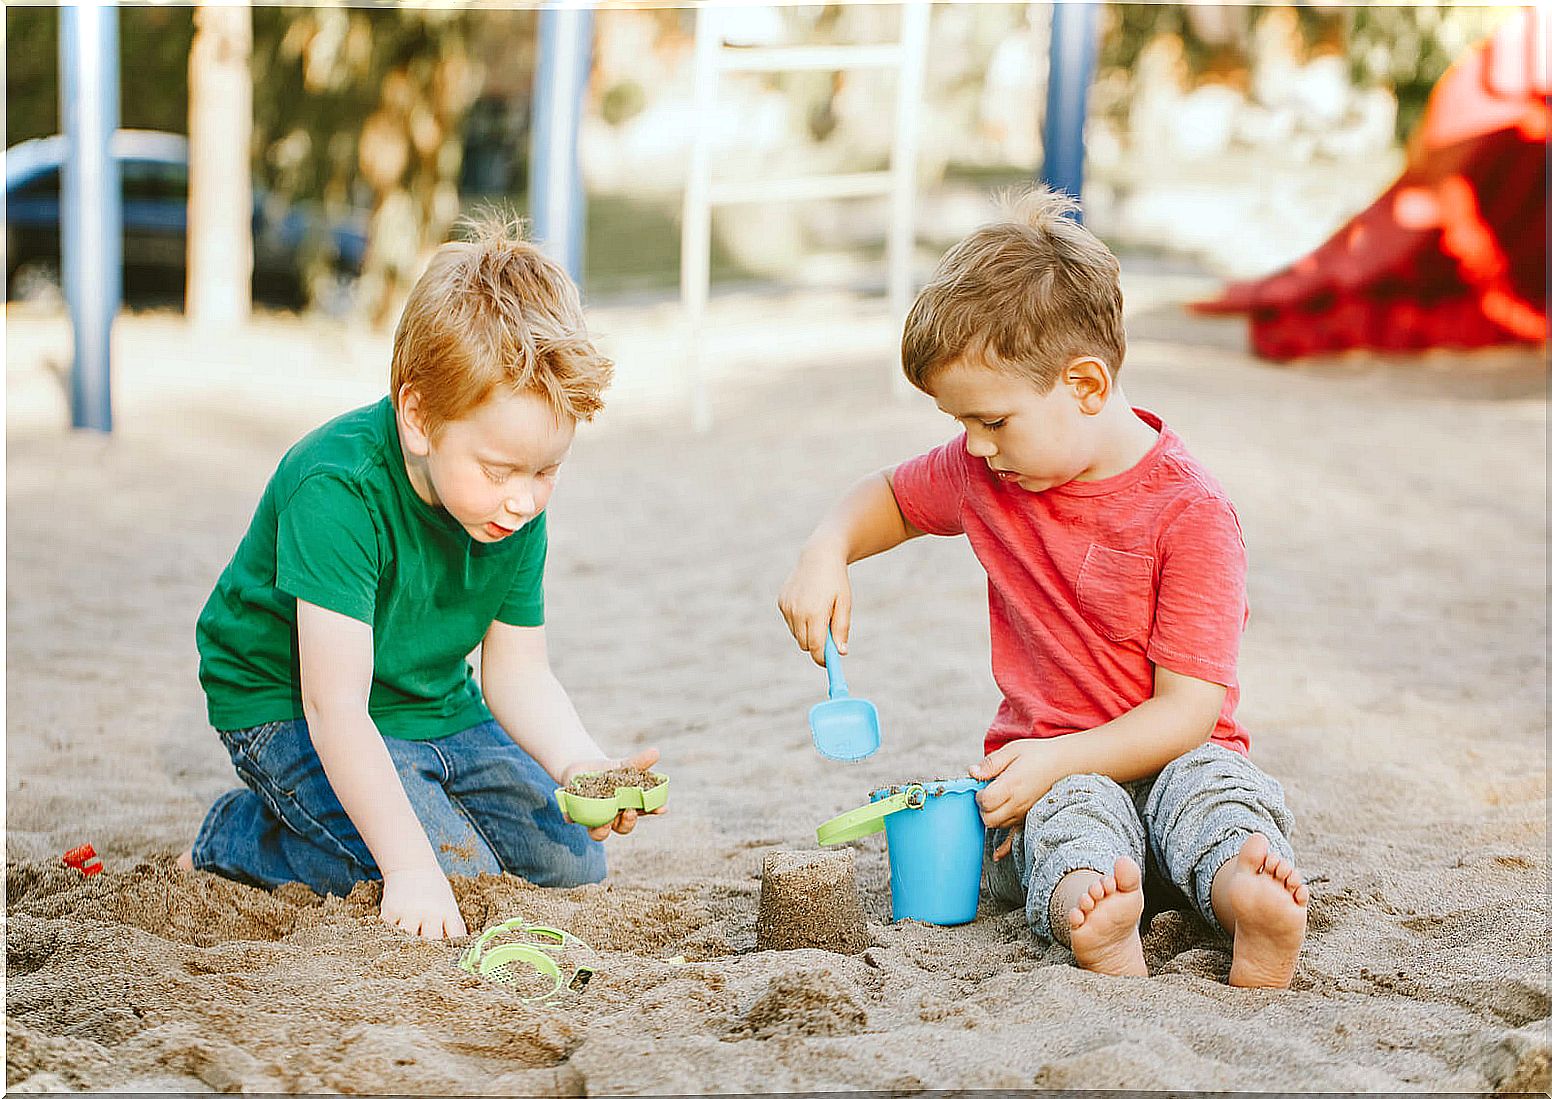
(1182, 825)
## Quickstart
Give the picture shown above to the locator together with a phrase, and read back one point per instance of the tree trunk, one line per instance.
(220, 249)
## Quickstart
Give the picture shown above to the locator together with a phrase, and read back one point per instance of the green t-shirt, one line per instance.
(340, 526)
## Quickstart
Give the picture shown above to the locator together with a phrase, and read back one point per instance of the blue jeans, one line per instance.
(486, 805)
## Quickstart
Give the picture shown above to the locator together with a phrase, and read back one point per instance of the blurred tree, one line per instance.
(220, 211)
(367, 105)
(1403, 47)
(1409, 48)
(154, 78)
(351, 107)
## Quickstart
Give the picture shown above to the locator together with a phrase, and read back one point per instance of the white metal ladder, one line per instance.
(898, 181)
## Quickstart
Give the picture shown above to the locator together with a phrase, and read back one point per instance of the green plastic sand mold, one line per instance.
(539, 951)
(594, 812)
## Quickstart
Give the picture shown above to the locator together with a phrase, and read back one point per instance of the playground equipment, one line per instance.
(1073, 47)
(1454, 253)
(701, 194)
(91, 243)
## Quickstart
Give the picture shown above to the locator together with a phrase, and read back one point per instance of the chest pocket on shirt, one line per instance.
(1115, 592)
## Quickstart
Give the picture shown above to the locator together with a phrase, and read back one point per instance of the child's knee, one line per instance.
(1223, 787)
(1084, 793)
(565, 866)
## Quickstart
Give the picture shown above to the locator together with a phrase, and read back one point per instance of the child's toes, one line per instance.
(1254, 853)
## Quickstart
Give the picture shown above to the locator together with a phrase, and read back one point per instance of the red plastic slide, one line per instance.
(1454, 254)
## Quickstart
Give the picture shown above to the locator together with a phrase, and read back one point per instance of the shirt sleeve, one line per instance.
(1202, 607)
(326, 549)
(930, 488)
(524, 603)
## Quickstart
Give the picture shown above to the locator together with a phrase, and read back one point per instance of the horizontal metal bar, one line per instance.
(800, 188)
(807, 58)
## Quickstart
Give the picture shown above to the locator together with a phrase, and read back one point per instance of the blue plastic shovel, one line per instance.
(844, 728)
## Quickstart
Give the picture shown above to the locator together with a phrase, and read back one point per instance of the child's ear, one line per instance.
(416, 439)
(1089, 380)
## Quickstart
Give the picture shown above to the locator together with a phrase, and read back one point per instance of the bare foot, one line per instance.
(1263, 902)
(186, 860)
(1104, 920)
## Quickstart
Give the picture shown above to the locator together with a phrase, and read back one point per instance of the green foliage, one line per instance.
(1409, 49)
(31, 73)
(622, 102)
(1404, 48)
(319, 73)
(1130, 27)
(153, 70)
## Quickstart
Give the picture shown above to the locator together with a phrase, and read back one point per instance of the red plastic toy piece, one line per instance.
(84, 859)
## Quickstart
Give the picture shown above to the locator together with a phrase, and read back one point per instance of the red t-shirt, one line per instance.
(1092, 583)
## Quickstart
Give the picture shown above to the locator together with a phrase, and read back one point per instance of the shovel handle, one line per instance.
(833, 667)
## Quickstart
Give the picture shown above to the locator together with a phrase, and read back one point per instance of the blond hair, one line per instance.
(493, 312)
(1027, 294)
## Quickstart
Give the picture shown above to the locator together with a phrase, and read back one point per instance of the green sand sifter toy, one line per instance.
(529, 955)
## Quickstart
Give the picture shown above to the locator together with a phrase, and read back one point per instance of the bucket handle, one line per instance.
(869, 818)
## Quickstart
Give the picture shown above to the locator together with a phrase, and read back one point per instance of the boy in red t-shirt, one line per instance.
(1116, 583)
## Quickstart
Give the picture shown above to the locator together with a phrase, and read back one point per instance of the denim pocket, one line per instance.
(248, 743)
(283, 752)
(1115, 592)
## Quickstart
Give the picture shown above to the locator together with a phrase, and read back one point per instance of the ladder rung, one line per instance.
(802, 187)
(804, 58)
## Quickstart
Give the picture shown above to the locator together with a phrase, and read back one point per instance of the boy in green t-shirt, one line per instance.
(388, 545)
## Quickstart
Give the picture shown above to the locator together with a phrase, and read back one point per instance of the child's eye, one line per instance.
(495, 475)
(993, 425)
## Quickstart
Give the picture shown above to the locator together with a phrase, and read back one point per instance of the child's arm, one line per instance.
(1178, 717)
(532, 706)
(817, 594)
(336, 666)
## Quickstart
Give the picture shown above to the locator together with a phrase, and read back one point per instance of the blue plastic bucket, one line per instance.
(935, 854)
(935, 841)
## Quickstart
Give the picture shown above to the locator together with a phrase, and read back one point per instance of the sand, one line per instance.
(808, 900)
(603, 784)
(1393, 677)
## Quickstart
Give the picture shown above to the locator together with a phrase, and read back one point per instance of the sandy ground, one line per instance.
(1393, 674)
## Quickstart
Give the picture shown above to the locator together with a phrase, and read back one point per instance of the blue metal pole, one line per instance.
(91, 241)
(1074, 28)
(556, 202)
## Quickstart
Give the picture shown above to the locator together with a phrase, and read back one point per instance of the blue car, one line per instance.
(154, 170)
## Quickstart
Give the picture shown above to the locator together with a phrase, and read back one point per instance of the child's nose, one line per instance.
(521, 502)
(980, 448)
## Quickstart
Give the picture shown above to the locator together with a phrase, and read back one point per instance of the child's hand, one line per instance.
(816, 598)
(421, 902)
(1020, 774)
(626, 819)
